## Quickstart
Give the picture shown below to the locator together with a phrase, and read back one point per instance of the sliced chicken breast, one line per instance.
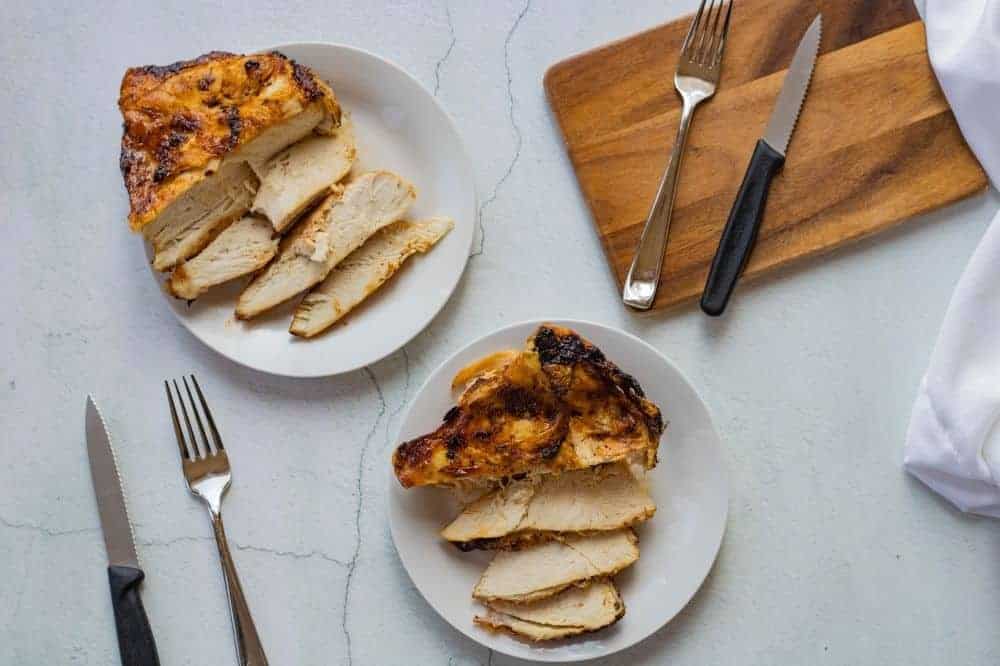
(243, 247)
(542, 570)
(338, 226)
(301, 174)
(195, 132)
(314, 119)
(196, 217)
(601, 498)
(574, 611)
(191, 221)
(363, 271)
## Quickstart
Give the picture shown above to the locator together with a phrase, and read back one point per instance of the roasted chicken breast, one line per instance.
(364, 271)
(337, 227)
(574, 611)
(596, 499)
(542, 570)
(187, 226)
(557, 406)
(197, 132)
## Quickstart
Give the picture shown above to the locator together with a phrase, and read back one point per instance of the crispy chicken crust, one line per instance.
(559, 405)
(181, 119)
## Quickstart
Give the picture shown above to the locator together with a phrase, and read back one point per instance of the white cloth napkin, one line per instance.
(953, 443)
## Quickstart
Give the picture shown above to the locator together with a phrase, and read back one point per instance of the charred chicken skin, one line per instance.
(558, 405)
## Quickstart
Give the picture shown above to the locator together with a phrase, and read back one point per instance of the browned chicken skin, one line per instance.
(558, 405)
(180, 119)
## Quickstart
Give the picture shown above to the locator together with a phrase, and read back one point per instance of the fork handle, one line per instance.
(740, 233)
(249, 650)
(643, 277)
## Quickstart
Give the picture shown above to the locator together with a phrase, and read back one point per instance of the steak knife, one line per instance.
(741, 228)
(135, 637)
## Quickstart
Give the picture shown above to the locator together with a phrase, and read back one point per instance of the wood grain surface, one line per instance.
(875, 145)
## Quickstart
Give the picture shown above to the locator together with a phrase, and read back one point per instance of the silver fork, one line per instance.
(206, 469)
(696, 78)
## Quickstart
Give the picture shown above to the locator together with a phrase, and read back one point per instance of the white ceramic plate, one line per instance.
(677, 546)
(399, 127)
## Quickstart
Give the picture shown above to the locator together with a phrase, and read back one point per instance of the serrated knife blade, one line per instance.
(793, 90)
(136, 644)
(740, 233)
(115, 524)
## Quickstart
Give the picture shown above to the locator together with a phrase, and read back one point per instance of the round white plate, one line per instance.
(677, 546)
(399, 127)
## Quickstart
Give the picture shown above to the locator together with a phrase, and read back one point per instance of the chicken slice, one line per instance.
(601, 498)
(574, 611)
(243, 247)
(338, 226)
(363, 271)
(193, 220)
(543, 570)
(303, 173)
(314, 119)
(493, 516)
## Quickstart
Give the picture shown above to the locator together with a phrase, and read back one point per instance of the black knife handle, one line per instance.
(741, 228)
(135, 637)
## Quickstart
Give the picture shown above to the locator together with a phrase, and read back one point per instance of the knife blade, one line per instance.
(135, 637)
(741, 228)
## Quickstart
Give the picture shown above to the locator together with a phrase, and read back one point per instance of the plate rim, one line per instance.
(467, 167)
(549, 657)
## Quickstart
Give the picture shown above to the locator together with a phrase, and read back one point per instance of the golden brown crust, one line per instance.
(180, 119)
(563, 352)
(610, 412)
(559, 405)
(505, 424)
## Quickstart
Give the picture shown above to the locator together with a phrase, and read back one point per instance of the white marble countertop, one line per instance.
(832, 554)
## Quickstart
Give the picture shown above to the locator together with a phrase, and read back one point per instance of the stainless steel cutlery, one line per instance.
(695, 80)
(741, 228)
(206, 469)
(135, 637)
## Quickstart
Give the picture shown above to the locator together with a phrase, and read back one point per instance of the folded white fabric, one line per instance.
(963, 40)
(953, 443)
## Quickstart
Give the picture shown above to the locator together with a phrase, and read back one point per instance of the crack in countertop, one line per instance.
(294, 554)
(44, 530)
(352, 564)
(447, 54)
(40, 529)
(517, 133)
(405, 395)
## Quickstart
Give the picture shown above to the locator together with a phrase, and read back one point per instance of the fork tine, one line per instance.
(207, 450)
(704, 34)
(711, 24)
(192, 440)
(185, 453)
(217, 439)
(722, 37)
(713, 35)
(692, 30)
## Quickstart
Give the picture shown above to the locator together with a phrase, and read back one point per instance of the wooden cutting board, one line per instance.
(876, 142)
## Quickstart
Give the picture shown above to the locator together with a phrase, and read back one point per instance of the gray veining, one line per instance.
(832, 556)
